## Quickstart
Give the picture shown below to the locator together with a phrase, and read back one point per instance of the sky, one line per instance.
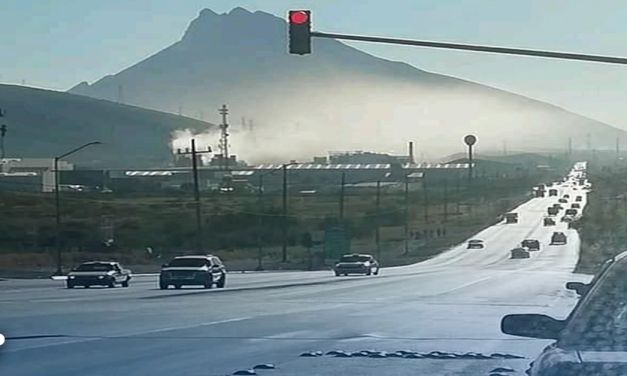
(60, 43)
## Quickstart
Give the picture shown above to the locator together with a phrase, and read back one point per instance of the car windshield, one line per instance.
(94, 268)
(354, 258)
(601, 322)
(295, 182)
(187, 262)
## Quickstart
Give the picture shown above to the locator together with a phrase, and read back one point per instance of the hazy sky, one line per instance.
(56, 44)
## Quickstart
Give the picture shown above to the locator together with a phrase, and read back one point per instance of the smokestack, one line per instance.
(411, 152)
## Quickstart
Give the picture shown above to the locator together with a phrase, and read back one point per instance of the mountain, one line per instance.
(337, 98)
(44, 124)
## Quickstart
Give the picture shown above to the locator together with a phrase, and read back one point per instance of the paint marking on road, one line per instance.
(463, 286)
(82, 339)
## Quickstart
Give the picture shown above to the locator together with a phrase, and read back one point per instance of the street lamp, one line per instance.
(57, 202)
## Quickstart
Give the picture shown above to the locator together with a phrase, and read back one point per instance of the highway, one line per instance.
(451, 304)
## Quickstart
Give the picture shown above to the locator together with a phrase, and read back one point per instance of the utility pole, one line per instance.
(121, 94)
(3, 132)
(260, 226)
(570, 148)
(504, 147)
(445, 200)
(377, 235)
(194, 154)
(342, 195)
(617, 148)
(285, 219)
(457, 195)
(224, 138)
(425, 197)
(406, 213)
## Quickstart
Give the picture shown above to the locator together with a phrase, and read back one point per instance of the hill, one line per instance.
(338, 98)
(44, 124)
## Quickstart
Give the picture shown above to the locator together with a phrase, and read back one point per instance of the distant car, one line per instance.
(531, 244)
(520, 253)
(578, 198)
(511, 218)
(552, 211)
(552, 192)
(571, 212)
(575, 206)
(475, 244)
(558, 238)
(549, 221)
(566, 196)
(562, 201)
(355, 263)
(591, 340)
(204, 270)
(567, 218)
(558, 206)
(98, 273)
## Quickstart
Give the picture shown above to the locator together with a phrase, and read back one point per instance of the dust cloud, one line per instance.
(384, 119)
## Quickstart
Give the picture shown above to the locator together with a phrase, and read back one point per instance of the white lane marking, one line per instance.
(463, 286)
(99, 338)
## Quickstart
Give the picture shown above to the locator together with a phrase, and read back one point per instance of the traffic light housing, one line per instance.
(299, 32)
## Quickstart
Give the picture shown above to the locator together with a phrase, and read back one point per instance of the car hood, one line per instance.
(340, 264)
(606, 357)
(574, 362)
(88, 274)
(185, 269)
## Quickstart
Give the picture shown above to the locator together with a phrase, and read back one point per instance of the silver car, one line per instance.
(355, 263)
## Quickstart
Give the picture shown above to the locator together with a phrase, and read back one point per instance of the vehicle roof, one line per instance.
(100, 262)
(475, 241)
(357, 254)
(519, 249)
(194, 256)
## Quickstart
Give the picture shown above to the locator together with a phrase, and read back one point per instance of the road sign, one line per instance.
(337, 239)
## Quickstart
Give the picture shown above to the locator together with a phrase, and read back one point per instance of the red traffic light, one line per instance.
(299, 17)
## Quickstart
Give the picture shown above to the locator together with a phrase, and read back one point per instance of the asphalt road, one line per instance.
(452, 303)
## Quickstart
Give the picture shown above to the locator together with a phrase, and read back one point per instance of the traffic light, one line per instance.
(300, 32)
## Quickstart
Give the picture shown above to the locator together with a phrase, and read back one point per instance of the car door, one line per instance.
(216, 268)
(118, 276)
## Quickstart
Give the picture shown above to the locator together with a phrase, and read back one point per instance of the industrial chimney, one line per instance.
(411, 152)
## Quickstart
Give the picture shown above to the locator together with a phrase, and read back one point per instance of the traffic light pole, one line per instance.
(300, 35)
(476, 48)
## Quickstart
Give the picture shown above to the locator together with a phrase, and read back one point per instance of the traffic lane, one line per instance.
(498, 239)
(140, 286)
(96, 316)
(415, 312)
